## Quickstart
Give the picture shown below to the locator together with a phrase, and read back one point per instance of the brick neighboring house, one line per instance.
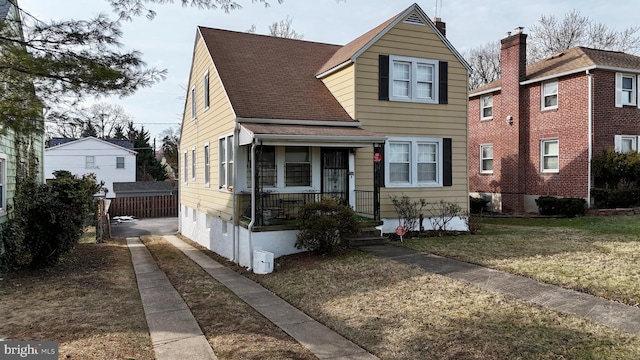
(534, 131)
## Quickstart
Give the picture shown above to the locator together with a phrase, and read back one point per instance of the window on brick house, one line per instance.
(550, 95)
(549, 155)
(626, 90)
(486, 107)
(625, 143)
(486, 159)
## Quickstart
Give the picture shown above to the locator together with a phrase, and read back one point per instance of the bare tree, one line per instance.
(105, 118)
(485, 64)
(281, 29)
(551, 36)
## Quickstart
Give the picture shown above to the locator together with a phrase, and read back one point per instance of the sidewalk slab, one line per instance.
(175, 333)
(319, 339)
(601, 311)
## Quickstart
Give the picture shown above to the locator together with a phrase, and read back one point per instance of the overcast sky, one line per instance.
(167, 41)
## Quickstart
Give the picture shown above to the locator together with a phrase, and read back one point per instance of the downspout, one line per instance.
(253, 204)
(590, 122)
(234, 221)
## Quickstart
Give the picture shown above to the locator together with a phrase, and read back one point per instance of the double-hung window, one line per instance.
(205, 90)
(206, 164)
(193, 164)
(626, 143)
(413, 79)
(297, 166)
(550, 95)
(185, 166)
(486, 107)
(486, 159)
(89, 162)
(413, 162)
(549, 155)
(225, 162)
(120, 162)
(627, 90)
(193, 103)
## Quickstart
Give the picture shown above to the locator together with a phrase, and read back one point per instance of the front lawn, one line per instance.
(596, 255)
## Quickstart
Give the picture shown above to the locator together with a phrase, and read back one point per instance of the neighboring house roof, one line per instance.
(268, 77)
(574, 60)
(143, 186)
(59, 142)
(348, 53)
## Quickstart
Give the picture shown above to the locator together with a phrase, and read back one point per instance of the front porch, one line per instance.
(279, 211)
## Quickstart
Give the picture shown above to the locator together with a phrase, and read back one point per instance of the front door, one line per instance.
(335, 170)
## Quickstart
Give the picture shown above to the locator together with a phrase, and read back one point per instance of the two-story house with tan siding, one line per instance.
(271, 124)
(534, 131)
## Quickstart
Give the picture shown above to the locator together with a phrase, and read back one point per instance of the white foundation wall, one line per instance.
(456, 224)
(217, 235)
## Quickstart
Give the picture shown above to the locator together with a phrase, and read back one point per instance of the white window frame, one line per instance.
(484, 106)
(3, 184)
(413, 79)
(544, 95)
(207, 163)
(186, 167)
(635, 94)
(308, 162)
(193, 102)
(543, 156)
(413, 161)
(118, 163)
(193, 164)
(483, 158)
(206, 100)
(225, 162)
(619, 139)
(89, 164)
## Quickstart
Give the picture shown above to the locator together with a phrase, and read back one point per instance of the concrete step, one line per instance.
(360, 240)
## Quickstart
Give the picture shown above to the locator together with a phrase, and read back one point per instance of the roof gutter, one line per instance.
(299, 122)
(335, 69)
(322, 138)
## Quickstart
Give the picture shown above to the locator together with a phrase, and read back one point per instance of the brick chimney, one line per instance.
(513, 62)
(440, 25)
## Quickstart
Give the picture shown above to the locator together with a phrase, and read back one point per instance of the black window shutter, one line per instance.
(443, 76)
(383, 77)
(447, 171)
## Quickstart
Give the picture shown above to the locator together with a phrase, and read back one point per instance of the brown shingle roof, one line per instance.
(269, 77)
(346, 52)
(572, 60)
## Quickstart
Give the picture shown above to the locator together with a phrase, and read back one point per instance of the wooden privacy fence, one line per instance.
(145, 207)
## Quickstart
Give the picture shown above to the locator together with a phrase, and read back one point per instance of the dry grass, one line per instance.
(89, 303)
(588, 260)
(233, 328)
(399, 312)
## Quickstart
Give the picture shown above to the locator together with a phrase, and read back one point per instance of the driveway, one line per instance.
(138, 227)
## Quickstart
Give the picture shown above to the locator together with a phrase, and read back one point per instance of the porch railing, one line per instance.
(274, 206)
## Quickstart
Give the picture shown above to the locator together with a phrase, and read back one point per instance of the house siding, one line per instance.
(342, 86)
(209, 124)
(394, 118)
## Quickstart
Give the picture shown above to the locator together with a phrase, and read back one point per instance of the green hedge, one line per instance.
(570, 207)
(615, 198)
(477, 205)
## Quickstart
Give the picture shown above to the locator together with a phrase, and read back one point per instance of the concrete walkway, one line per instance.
(175, 334)
(605, 312)
(320, 340)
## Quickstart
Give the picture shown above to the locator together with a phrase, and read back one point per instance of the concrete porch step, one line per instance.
(363, 240)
